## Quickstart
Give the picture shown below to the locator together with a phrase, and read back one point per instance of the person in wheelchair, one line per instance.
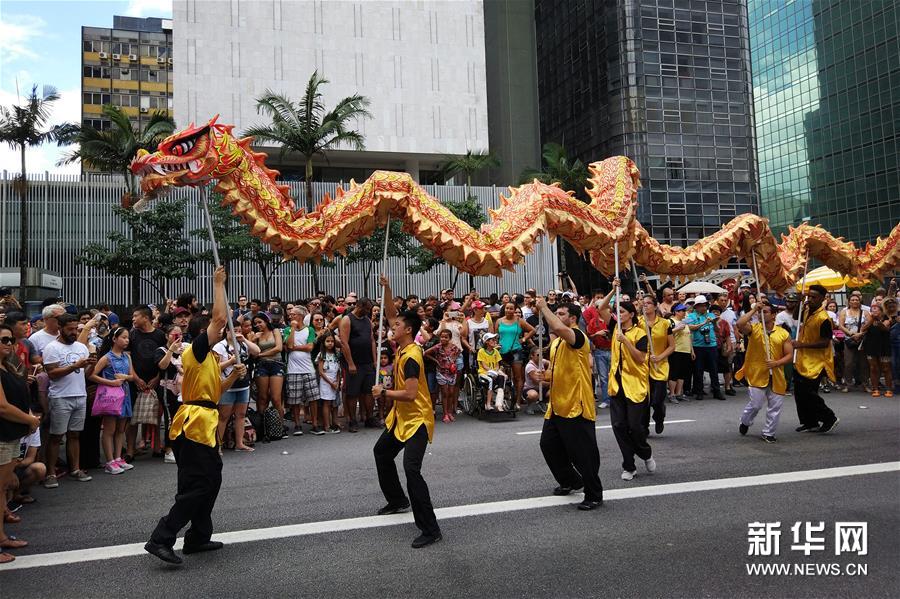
(532, 394)
(489, 374)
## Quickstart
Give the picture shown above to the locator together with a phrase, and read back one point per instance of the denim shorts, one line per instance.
(516, 356)
(269, 368)
(235, 397)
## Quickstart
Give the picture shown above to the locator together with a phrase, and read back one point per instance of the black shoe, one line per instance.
(162, 552)
(698, 397)
(589, 504)
(718, 395)
(566, 490)
(425, 540)
(201, 547)
(743, 428)
(659, 427)
(13, 506)
(371, 423)
(769, 439)
(827, 428)
(352, 427)
(730, 391)
(807, 427)
(393, 509)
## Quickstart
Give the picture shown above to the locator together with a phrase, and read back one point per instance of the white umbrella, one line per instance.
(702, 287)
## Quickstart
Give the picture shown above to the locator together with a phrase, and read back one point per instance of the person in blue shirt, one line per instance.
(702, 325)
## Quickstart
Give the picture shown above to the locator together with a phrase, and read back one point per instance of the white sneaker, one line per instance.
(112, 468)
(650, 465)
(124, 465)
(627, 475)
(604, 405)
(170, 458)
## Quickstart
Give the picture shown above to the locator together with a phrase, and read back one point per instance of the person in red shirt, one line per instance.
(601, 344)
(726, 348)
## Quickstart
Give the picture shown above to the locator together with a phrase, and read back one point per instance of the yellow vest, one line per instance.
(659, 332)
(635, 375)
(811, 362)
(406, 417)
(202, 382)
(571, 391)
(754, 368)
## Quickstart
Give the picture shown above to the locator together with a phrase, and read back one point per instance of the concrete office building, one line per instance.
(422, 65)
(129, 66)
(665, 82)
(826, 75)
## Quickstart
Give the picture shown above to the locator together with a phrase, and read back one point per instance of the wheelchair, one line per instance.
(473, 394)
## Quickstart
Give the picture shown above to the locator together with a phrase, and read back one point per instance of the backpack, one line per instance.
(228, 441)
(273, 425)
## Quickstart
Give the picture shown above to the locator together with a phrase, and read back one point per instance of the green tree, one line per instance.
(571, 174)
(27, 126)
(311, 130)
(469, 164)
(156, 252)
(468, 211)
(370, 250)
(112, 150)
(234, 242)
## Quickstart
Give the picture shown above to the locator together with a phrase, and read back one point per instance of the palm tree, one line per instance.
(22, 127)
(306, 127)
(113, 149)
(558, 168)
(469, 164)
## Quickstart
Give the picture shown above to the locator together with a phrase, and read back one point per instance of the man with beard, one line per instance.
(358, 342)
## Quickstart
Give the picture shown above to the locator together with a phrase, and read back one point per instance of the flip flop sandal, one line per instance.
(5, 558)
(11, 542)
(25, 499)
(10, 518)
(246, 449)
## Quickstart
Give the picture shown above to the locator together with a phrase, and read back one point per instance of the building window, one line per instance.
(675, 168)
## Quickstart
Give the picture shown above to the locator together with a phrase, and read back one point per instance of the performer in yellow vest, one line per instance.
(193, 436)
(569, 436)
(764, 368)
(629, 389)
(662, 346)
(814, 358)
(409, 425)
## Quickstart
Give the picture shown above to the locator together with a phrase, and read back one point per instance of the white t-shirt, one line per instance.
(40, 340)
(527, 312)
(300, 362)
(530, 367)
(72, 384)
(731, 318)
(32, 440)
(787, 319)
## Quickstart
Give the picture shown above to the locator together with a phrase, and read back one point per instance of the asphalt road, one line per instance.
(682, 545)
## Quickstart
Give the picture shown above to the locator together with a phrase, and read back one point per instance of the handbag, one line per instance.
(108, 401)
(146, 408)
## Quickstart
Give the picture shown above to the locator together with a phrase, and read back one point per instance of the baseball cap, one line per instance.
(743, 285)
(679, 308)
(700, 299)
(792, 296)
(454, 306)
(478, 305)
(568, 294)
(181, 310)
(489, 336)
(113, 318)
(276, 311)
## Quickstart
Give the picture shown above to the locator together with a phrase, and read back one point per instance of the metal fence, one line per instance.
(68, 211)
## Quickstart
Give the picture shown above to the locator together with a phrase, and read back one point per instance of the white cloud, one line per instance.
(149, 8)
(43, 158)
(17, 33)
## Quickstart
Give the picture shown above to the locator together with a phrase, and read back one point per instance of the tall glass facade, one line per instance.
(826, 77)
(665, 82)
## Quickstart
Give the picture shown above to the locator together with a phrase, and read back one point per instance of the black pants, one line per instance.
(707, 361)
(570, 449)
(170, 406)
(199, 479)
(628, 426)
(811, 408)
(386, 449)
(658, 391)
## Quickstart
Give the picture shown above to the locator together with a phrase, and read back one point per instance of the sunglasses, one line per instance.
(7, 340)
(351, 303)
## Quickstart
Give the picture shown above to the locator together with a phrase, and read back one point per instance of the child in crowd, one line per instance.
(445, 354)
(328, 361)
(115, 370)
(386, 374)
(534, 374)
(489, 372)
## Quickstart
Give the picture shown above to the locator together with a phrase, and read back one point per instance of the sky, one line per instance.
(40, 43)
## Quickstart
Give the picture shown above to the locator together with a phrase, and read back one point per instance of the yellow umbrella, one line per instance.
(824, 276)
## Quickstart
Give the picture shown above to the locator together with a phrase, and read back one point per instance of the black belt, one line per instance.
(204, 403)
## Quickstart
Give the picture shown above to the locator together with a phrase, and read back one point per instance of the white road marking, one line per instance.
(460, 511)
(668, 422)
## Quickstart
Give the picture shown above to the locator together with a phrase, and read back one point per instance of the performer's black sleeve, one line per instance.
(580, 339)
(200, 347)
(411, 370)
(642, 344)
(825, 330)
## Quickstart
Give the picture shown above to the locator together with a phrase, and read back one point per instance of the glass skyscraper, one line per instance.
(665, 82)
(826, 77)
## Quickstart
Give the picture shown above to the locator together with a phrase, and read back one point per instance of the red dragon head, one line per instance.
(190, 157)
